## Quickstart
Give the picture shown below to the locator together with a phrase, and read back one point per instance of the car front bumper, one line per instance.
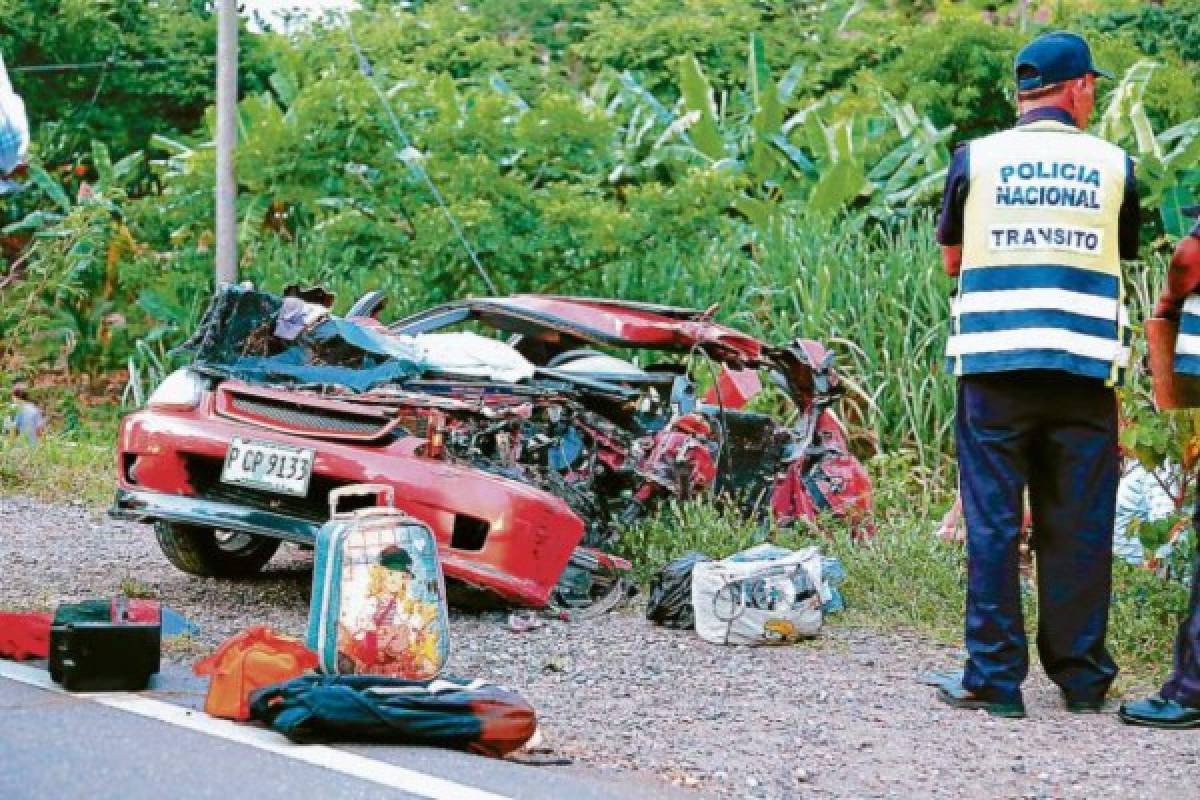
(145, 506)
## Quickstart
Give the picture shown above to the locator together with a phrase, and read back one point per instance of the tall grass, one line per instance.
(60, 469)
(878, 297)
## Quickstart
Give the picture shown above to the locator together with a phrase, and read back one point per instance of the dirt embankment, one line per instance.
(841, 717)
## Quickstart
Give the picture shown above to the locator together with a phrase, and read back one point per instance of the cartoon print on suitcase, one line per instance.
(390, 606)
(378, 603)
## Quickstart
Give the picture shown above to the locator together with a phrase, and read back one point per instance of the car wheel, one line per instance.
(214, 554)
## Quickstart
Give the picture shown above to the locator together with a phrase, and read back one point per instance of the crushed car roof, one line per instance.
(597, 320)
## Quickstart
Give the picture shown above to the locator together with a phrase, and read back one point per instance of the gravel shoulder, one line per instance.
(839, 717)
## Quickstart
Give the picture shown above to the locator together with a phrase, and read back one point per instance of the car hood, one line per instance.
(596, 320)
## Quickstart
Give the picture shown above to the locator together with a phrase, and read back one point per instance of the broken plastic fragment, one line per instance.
(524, 622)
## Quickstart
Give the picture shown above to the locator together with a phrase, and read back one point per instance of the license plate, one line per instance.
(272, 466)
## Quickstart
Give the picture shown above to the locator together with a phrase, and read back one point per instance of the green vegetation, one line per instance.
(781, 162)
(74, 462)
(780, 159)
(126, 102)
(59, 469)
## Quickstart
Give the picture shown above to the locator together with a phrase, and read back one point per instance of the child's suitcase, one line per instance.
(105, 645)
(378, 597)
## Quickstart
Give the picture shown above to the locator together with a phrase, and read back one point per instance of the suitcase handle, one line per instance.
(361, 490)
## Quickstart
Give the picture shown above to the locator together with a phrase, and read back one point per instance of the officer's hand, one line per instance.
(1167, 310)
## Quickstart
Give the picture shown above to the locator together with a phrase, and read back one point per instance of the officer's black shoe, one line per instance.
(1159, 712)
(956, 696)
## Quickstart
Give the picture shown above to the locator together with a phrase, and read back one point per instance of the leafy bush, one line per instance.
(716, 177)
(67, 302)
(1168, 163)
(119, 105)
(648, 37)
(959, 71)
(1157, 29)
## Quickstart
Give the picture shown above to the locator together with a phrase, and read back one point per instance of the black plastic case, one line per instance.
(102, 656)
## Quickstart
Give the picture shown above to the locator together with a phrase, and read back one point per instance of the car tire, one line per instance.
(201, 551)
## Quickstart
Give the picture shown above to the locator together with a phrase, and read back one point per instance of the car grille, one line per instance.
(204, 475)
(295, 417)
(303, 420)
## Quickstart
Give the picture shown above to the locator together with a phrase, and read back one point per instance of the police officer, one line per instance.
(1035, 221)
(1177, 705)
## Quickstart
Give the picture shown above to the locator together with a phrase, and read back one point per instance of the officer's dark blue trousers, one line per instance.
(1055, 433)
(1184, 684)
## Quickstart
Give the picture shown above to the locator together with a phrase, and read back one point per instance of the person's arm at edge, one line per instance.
(1183, 277)
(954, 200)
(1183, 274)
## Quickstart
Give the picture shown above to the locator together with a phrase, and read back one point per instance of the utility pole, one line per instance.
(227, 66)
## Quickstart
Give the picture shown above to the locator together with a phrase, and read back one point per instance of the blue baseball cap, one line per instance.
(1053, 58)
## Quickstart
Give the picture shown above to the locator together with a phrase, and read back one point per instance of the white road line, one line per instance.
(406, 780)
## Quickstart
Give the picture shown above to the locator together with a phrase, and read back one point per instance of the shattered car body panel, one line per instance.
(516, 477)
(597, 321)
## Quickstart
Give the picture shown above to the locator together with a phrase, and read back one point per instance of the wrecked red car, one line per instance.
(527, 431)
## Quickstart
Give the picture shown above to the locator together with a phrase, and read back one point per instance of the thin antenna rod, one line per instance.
(364, 66)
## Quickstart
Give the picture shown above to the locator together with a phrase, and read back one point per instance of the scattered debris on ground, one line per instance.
(830, 718)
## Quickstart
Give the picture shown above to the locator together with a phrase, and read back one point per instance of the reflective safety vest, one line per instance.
(1040, 285)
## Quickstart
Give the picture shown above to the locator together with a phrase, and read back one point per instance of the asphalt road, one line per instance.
(64, 746)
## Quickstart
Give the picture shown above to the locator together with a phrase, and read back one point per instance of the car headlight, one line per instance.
(182, 389)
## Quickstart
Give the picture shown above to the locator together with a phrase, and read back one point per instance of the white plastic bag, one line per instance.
(14, 126)
(764, 595)
(470, 354)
